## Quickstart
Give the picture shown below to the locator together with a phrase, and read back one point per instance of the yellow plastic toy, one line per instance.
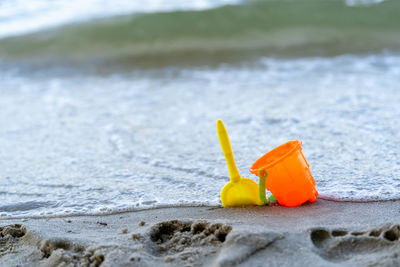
(239, 191)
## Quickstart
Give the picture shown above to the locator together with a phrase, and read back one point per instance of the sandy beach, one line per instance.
(324, 233)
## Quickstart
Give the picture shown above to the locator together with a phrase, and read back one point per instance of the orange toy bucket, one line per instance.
(289, 177)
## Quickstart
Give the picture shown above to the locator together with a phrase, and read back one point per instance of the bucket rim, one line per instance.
(281, 158)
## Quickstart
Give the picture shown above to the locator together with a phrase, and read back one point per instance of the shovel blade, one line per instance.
(241, 193)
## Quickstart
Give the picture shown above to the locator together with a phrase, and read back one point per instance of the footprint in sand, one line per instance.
(341, 245)
(185, 240)
(60, 252)
(9, 236)
(49, 252)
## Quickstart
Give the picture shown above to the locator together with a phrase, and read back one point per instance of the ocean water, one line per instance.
(18, 16)
(89, 129)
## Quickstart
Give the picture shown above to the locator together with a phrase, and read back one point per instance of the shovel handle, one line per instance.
(227, 149)
(263, 174)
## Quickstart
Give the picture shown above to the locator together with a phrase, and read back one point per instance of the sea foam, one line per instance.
(86, 144)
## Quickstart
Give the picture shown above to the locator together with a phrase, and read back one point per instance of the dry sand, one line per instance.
(324, 233)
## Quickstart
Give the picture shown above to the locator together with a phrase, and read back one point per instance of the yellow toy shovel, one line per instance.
(239, 191)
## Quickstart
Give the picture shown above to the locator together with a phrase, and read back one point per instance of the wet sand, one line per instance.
(324, 233)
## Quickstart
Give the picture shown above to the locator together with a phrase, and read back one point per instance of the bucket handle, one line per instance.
(263, 174)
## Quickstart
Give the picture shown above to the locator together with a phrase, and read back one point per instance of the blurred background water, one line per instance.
(112, 106)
